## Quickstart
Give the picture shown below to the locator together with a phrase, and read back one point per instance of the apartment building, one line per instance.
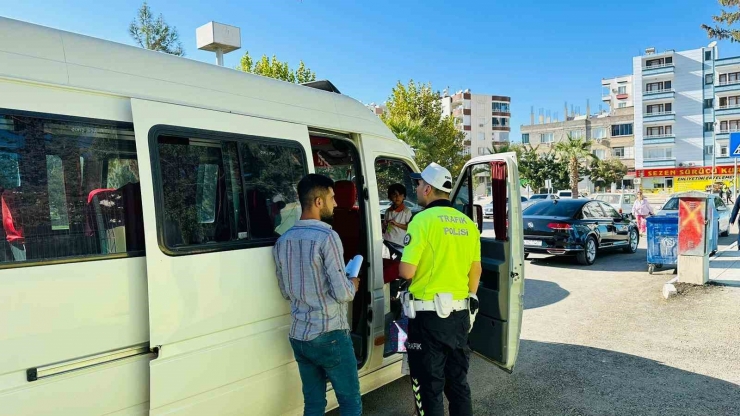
(483, 118)
(684, 102)
(617, 92)
(610, 133)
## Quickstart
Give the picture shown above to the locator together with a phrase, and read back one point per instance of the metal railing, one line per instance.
(660, 136)
(648, 92)
(728, 106)
(662, 113)
(726, 131)
(660, 159)
(656, 66)
(733, 82)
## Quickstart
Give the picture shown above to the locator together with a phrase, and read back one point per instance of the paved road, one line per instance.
(601, 340)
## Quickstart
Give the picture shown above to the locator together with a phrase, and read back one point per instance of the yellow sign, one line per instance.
(699, 183)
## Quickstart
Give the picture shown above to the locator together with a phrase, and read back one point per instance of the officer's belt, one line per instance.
(428, 305)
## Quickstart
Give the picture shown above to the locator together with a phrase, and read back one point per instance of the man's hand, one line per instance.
(356, 282)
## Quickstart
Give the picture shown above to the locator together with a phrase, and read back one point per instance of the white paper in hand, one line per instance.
(353, 267)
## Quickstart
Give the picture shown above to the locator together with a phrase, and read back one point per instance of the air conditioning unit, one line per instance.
(680, 165)
(692, 164)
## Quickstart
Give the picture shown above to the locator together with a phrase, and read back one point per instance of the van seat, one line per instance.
(347, 218)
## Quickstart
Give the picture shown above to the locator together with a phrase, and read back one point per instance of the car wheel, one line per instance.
(588, 255)
(634, 240)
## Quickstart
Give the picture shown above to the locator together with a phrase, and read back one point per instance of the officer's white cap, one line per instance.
(437, 176)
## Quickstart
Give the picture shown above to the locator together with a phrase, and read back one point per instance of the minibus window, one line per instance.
(63, 195)
(206, 193)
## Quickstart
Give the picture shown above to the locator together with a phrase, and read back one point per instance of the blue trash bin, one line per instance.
(662, 241)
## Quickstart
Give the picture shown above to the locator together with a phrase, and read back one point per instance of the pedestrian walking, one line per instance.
(640, 210)
(442, 258)
(728, 193)
(733, 216)
(311, 274)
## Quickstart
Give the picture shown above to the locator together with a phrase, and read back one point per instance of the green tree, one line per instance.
(575, 152)
(607, 172)
(415, 116)
(275, 68)
(155, 34)
(721, 30)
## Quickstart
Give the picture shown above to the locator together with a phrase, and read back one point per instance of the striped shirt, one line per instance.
(310, 273)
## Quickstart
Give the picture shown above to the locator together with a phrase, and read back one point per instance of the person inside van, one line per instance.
(311, 274)
(13, 235)
(397, 216)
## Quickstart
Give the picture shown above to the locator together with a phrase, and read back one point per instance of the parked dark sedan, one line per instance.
(579, 227)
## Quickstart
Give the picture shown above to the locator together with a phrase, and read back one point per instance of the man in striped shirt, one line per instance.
(310, 271)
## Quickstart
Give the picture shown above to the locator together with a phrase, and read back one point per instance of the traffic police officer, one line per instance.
(442, 259)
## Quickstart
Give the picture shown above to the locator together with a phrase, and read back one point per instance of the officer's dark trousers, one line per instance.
(438, 361)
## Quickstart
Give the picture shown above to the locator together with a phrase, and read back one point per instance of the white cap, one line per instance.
(437, 176)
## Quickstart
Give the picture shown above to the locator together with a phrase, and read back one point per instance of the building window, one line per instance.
(708, 126)
(599, 153)
(659, 108)
(622, 89)
(504, 137)
(482, 151)
(621, 105)
(708, 78)
(70, 189)
(598, 133)
(577, 134)
(500, 107)
(466, 151)
(618, 152)
(622, 130)
(547, 137)
(731, 78)
(525, 138)
(729, 126)
(658, 86)
(659, 153)
(708, 55)
(481, 136)
(729, 102)
(708, 149)
(708, 102)
(659, 131)
(724, 150)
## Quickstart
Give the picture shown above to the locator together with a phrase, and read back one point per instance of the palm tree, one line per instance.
(575, 152)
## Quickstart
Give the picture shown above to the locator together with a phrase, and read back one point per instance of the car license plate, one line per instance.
(532, 242)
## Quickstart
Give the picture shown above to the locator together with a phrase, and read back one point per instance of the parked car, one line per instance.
(621, 202)
(671, 208)
(385, 204)
(488, 209)
(577, 227)
(565, 194)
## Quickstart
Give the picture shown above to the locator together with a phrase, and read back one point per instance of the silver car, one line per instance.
(671, 208)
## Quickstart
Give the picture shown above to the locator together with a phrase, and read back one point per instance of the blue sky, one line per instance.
(541, 53)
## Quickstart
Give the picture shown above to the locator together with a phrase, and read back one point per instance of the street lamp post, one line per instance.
(712, 46)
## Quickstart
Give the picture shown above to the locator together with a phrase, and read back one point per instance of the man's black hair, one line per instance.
(397, 188)
(313, 186)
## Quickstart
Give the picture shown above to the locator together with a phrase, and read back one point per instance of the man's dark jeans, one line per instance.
(330, 355)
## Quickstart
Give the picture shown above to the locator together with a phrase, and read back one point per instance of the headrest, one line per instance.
(345, 194)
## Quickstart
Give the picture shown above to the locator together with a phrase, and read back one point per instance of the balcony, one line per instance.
(460, 111)
(607, 97)
(654, 95)
(727, 110)
(658, 69)
(726, 86)
(659, 117)
(659, 162)
(659, 139)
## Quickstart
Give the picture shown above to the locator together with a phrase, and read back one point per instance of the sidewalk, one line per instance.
(724, 267)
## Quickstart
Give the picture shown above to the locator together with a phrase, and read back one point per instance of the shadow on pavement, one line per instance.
(539, 293)
(564, 379)
(608, 260)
